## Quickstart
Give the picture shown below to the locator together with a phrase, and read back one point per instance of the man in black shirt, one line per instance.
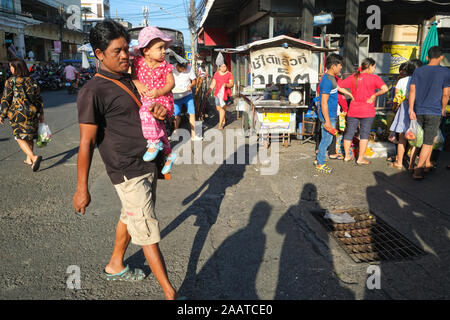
(109, 117)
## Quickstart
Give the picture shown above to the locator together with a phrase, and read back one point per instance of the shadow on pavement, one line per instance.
(303, 273)
(206, 202)
(420, 211)
(231, 271)
(67, 155)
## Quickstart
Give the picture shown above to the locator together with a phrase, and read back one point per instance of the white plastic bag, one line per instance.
(222, 102)
(414, 134)
(411, 133)
(438, 140)
(44, 135)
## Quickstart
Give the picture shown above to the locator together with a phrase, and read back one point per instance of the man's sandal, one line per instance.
(324, 168)
(126, 274)
(336, 156)
(418, 174)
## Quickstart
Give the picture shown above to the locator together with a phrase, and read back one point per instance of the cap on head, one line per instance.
(149, 33)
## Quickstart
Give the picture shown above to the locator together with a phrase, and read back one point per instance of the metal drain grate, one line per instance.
(369, 238)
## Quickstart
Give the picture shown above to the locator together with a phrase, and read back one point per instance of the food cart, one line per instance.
(282, 75)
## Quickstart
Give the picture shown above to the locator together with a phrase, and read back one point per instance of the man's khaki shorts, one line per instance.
(138, 209)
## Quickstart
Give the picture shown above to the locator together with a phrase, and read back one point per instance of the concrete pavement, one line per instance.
(228, 231)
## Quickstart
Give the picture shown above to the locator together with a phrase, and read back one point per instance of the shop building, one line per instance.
(40, 30)
(12, 25)
(94, 11)
(390, 31)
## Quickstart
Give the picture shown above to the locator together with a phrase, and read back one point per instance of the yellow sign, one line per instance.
(400, 54)
(276, 117)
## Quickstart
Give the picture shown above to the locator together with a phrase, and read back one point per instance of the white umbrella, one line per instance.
(85, 48)
(84, 60)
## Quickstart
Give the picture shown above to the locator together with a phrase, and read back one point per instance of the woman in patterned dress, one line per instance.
(22, 105)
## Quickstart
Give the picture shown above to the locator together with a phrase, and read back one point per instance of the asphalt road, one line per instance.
(228, 232)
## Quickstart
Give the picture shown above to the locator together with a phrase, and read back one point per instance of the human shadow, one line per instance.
(4, 139)
(66, 156)
(420, 211)
(205, 205)
(306, 264)
(231, 271)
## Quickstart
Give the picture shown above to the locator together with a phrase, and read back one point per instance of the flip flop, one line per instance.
(126, 274)
(363, 163)
(36, 164)
(338, 157)
(393, 165)
(391, 159)
(348, 160)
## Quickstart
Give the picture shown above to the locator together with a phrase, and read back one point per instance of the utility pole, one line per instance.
(192, 28)
(61, 25)
(145, 13)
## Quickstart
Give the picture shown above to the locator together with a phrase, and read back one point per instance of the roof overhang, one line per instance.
(277, 42)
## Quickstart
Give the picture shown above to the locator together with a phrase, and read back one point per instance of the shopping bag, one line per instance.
(412, 130)
(438, 140)
(418, 135)
(44, 135)
(222, 102)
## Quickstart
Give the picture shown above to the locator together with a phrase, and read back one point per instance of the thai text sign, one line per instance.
(282, 65)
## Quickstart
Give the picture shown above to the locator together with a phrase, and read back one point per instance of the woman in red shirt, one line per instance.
(363, 85)
(222, 79)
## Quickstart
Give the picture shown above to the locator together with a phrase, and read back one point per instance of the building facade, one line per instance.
(359, 28)
(40, 30)
(94, 11)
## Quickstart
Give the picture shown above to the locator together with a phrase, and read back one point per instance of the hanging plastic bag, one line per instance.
(418, 140)
(44, 135)
(412, 130)
(222, 102)
(438, 140)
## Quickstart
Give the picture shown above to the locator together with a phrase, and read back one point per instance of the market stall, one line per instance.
(282, 75)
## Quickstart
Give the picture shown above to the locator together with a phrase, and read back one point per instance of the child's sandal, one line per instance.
(172, 157)
(150, 156)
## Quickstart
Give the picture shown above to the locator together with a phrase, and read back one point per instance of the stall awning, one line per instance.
(277, 41)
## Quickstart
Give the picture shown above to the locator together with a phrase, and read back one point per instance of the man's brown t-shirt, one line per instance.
(119, 137)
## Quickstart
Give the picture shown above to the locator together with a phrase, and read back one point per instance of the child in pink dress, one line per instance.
(153, 78)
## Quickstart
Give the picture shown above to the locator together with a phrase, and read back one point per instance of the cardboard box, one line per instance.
(400, 33)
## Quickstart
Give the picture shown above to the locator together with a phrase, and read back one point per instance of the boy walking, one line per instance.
(428, 97)
(328, 102)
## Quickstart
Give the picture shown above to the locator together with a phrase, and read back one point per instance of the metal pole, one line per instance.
(61, 24)
(351, 50)
(308, 19)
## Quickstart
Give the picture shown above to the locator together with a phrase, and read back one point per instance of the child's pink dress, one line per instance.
(154, 129)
